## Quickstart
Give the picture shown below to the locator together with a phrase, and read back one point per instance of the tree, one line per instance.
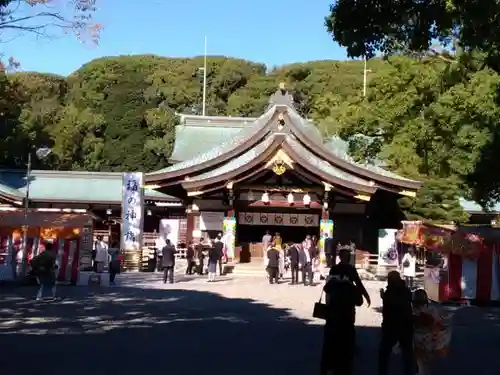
(427, 120)
(366, 27)
(43, 18)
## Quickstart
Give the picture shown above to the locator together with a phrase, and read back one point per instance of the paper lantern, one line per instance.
(306, 200)
(290, 198)
(265, 198)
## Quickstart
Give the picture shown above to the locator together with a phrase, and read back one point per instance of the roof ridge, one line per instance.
(224, 118)
(246, 134)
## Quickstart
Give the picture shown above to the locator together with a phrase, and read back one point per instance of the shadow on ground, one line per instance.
(130, 330)
(126, 330)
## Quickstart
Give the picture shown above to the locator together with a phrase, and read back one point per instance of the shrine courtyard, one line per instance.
(239, 325)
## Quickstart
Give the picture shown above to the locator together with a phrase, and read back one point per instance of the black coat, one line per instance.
(330, 246)
(294, 254)
(273, 256)
(219, 249)
(168, 259)
(213, 254)
(190, 252)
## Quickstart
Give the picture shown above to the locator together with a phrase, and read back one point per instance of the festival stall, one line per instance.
(461, 263)
(70, 234)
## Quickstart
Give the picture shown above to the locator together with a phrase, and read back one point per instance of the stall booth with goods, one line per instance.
(462, 263)
(70, 234)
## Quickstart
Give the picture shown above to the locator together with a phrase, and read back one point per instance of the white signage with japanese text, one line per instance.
(132, 210)
(211, 220)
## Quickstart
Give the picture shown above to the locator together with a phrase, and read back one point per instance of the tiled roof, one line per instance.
(225, 147)
(236, 163)
(9, 191)
(72, 186)
(473, 207)
(194, 140)
(324, 165)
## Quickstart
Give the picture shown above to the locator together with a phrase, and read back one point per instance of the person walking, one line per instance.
(397, 324)
(159, 245)
(273, 261)
(200, 257)
(219, 248)
(339, 336)
(266, 242)
(101, 257)
(44, 267)
(431, 337)
(214, 255)
(306, 260)
(114, 263)
(168, 262)
(190, 253)
(409, 267)
(294, 256)
(329, 250)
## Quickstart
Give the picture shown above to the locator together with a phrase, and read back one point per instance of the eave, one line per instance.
(324, 153)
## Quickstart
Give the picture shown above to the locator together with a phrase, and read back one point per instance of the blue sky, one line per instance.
(274, 32)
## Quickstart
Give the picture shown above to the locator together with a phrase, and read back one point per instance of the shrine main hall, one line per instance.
(276, 173)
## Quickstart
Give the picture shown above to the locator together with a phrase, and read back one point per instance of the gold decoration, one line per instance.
(279, 167)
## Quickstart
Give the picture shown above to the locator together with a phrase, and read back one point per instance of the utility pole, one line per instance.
(365, 71)
(204, 79)
(24, 259)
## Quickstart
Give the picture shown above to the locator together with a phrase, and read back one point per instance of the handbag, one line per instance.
(320, 310)
(406, 263)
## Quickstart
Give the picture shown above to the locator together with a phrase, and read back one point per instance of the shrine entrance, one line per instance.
(293, 227)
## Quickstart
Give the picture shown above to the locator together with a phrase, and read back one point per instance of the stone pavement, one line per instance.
(235, 326)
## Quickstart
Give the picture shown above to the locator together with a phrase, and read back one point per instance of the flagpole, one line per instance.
(204, 78)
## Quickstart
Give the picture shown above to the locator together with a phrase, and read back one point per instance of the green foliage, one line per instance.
(425, 118)
(428, 120)
(366, 27)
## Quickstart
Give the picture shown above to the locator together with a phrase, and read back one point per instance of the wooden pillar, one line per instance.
(193, 222)
(231, 213)
(325, 216)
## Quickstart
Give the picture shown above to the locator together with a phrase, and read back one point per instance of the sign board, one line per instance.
(132, 211)
(211, 220)
(387, 248)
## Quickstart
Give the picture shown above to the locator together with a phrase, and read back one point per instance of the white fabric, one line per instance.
(411, 270)
(101, 252)
(281, 262)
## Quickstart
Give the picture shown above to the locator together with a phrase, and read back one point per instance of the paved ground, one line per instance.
(239, 325)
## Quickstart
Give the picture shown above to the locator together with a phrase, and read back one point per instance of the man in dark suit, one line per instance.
(190, 258)
(294, 255)
(219, 248)
(329, 251)
(273, 256)
(306, 257)
(168, 262)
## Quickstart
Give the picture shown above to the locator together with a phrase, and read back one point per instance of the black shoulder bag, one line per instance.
(320, 309)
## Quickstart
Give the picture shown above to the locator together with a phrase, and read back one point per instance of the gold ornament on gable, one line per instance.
(279, 167)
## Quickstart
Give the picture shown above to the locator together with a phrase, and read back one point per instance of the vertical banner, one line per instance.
(229, 236)
(387, 248)
(132, 211)
(325, 231)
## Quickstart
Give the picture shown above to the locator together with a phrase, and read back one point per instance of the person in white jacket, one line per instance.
(101, 257)
(409, 267)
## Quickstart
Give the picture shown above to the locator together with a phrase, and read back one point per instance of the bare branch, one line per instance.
(80, 22)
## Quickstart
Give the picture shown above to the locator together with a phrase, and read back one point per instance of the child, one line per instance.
(431, 336)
